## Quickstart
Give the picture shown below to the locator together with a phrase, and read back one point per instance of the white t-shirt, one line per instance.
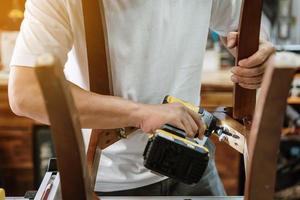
(156, 48)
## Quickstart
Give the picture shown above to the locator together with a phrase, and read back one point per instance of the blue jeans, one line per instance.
(209, 185)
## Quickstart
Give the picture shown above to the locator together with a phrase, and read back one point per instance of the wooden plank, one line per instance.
(95, 166)
(99, 70)
(264, 138)
(99, 76)
(66, 130)
(248, 43)
(97, 50)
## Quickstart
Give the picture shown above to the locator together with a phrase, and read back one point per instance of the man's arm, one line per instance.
(47, 26)
(98, 111)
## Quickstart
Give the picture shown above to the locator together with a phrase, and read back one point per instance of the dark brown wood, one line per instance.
(97, 50)
(66, 130)
(100, 139)
(248, 44)
(264, 138)
(99, 75)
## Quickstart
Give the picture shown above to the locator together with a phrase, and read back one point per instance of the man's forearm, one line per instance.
(95, 111)
(99, 111)
(105, 111)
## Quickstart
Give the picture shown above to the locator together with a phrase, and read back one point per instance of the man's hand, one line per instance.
(176, 114)
(249, 72)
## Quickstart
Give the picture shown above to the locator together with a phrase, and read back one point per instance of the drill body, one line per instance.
(170, 153)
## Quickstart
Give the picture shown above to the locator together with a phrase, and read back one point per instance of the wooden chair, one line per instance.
(99, 77)
(97, 51)
(259, 145)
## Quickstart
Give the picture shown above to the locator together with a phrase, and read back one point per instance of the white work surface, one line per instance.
(171, 198)
(155, 198)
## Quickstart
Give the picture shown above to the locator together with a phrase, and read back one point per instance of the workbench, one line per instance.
(216, 89)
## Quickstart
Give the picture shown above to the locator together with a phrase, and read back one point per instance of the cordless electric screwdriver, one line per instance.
(171, 153)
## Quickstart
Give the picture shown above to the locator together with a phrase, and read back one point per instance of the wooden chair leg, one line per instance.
(66, 131)
(93, 155)
(265, 134)
(248, 44)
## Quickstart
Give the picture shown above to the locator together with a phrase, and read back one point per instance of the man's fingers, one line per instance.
(248, 72)
(259, 57)
(188, 127)
(179, 124)
(232, 39)
(196, 118)
(193, 123)
(202, 129)
(246, 80)
(200, 123)
(254, 79)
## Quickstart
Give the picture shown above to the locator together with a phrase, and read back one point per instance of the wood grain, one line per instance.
(99, 76)
(248, 44)
(264, 138)
(97, 50)
(99, 70)
(66, 130)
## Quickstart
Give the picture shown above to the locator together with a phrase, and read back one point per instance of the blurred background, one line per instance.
(26, 146)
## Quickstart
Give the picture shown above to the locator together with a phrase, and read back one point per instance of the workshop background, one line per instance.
(25, 145)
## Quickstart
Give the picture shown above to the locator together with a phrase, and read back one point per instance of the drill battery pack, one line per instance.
(176, 157)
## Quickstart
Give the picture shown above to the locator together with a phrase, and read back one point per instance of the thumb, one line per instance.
(232, 39)
(202, 129)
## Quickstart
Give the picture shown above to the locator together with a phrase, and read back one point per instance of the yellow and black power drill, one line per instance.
(171, 153)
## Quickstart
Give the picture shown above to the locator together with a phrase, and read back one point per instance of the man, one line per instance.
(156, 48)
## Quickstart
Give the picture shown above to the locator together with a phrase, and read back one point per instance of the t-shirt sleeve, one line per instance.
(225, 16)
(45, 29)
